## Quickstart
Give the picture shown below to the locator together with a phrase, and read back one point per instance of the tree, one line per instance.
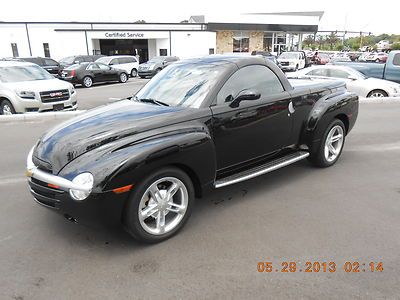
(320, 41)
(140, 21)
(332, 40)
(309, 40)
(396, 46)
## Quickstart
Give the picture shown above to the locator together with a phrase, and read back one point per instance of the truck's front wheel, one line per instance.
(159, 206)
(331, 145)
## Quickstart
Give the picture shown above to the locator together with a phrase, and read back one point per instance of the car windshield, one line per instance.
(103, 60)
(67, 60)
(288, 55)
(23, 73)
(156, 60)
(182, 84)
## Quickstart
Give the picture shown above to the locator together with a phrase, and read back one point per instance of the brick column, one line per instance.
(256, 41)
(224, 41)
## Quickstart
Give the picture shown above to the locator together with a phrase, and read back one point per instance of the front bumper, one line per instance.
(97, 210)
(27, 105)
(146, 73)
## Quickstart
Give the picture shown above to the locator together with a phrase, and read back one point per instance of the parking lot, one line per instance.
(297, 214)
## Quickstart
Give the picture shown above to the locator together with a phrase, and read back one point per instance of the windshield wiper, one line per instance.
(150, 100)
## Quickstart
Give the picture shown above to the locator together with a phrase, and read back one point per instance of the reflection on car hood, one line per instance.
(101, 126)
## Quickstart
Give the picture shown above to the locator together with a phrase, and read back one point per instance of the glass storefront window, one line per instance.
(241, 41)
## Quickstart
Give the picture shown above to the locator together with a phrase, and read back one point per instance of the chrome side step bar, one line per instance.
(263, 169)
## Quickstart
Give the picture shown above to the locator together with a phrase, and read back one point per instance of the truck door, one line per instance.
(255, 127)
(392, 69)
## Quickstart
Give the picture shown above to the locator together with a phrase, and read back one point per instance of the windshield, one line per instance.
(67, 60)
(103, 60)
(182, 84)
(23, 73)
(288, 55)
(156, 60)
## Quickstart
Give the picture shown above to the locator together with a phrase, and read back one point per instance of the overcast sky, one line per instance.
(375, 16)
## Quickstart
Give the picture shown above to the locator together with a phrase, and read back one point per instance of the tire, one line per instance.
(148, 229)
(297, 68)
(123, 77)
(323, 157)
(158, 71)
(377, 94)
(133, 73)
(87, 81)
(6, 108)
(377, 60)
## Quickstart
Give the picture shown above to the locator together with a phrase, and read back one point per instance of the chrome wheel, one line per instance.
(163, 205)
(7, 110)
(133, 73)
(377, 94)
(333, 143)
(87, 82)
(123, 78)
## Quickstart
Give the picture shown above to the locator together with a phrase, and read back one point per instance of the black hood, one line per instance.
(101, 126)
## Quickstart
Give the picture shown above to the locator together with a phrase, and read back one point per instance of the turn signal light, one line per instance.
(53, 186)
(123, 189)
(73, 73)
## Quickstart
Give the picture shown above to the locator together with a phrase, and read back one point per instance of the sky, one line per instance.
(354, 15)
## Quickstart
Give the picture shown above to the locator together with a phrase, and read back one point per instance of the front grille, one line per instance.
(45, 195)
(284, 63)
(54, 96)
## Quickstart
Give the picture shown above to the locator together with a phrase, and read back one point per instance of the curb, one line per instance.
(40, 116)
(386, 100)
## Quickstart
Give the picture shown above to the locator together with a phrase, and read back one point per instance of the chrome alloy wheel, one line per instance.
(7, 110)
(334, 143)
(87, 81)
(163, 205)
(123, 77)
(377, 94)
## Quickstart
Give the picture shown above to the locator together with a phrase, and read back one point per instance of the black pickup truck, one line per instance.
(198, 125)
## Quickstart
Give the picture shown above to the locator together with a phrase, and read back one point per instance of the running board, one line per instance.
(263, 169)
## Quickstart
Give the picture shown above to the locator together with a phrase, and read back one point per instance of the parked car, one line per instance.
(89, 73)
(356, 82)
(26, 87)
(128, 63)
(363, 56)
(49, 64)
(321, 59)
(200, 124)
(292, 61)
(389, 70)
(380, 57)
(155, 65)
(78, 59)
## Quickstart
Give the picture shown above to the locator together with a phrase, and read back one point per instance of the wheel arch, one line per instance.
(345, 119)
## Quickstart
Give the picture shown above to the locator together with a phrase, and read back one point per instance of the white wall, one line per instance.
(152, 48)
(162, 44)
(13, 34)
(187, 44)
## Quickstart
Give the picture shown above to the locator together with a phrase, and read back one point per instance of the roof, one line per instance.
(239, 60)
(13, 63)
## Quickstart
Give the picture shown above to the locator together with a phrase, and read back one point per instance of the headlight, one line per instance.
(85, 180)
(26, 94)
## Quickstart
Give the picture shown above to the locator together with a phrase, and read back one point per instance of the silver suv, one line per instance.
(26, 87)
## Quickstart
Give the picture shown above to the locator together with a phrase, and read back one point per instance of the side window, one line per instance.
(114, 61)
(103, 67)
(318, 72)
(49, 62)
(339, 73)
(79, 59)
(93, 67)
(256, 77)
(396, 59)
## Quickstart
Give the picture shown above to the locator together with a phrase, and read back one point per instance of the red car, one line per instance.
(322, 59)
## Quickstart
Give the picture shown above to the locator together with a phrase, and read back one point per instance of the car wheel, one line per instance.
(123, 77)
(159, 206)
(87, 81)
(297, 68)
(331, 145)
(377, 94)
(6, 108)
(133, 73)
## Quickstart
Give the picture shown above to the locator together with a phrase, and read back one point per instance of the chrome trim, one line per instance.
(33, 171)
(263, 171)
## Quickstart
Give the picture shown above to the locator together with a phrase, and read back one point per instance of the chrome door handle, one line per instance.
(291, 107)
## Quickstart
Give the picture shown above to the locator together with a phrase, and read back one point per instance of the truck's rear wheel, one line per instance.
(159, 206)
(331, 145)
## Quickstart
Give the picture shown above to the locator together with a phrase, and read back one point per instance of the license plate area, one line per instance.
(58, 107)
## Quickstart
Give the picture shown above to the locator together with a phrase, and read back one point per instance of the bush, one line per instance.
(396, 46)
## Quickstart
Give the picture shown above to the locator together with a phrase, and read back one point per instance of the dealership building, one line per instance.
(274, 32)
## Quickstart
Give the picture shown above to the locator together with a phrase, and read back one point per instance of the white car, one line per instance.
(127, 63)
(292, 61)
(26, 87)
(355, 81)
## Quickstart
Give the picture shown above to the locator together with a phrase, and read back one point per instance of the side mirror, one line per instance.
(110, 64)
(77, 62)
(245, 95)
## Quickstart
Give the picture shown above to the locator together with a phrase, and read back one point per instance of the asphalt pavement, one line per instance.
(346, 213)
